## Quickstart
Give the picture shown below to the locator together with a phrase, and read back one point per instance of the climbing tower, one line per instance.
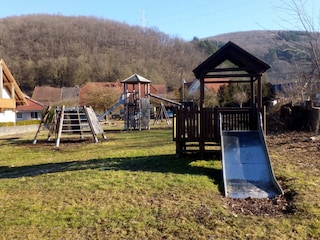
(137, 102)
(81, 121)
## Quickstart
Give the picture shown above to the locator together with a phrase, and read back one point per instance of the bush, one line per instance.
(27, 122)
(6, 124)
(20, 123)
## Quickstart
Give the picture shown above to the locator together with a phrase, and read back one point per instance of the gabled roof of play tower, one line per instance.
(235, 54)
(135, 78)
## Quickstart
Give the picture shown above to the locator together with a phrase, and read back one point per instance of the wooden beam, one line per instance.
(230, 75)
(227, 81)
(226, 70)
(1, 80)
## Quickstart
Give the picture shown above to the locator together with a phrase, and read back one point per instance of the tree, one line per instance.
(232, 94)
(305, 56)
(101, 98)
(210, 98)
(240, 97)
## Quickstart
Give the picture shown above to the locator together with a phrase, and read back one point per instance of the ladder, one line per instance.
(73, 120)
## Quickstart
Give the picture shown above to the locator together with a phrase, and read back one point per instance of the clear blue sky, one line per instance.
(180, 18)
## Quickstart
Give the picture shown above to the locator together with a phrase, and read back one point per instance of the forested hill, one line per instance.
(61, 51)
(277, 48)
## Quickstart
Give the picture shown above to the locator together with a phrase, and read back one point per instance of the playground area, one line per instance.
(238, 132)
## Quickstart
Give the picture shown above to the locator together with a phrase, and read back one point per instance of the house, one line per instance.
(51, 96)
(11, 95)
(194, 86)
(32, 111)
(158, 89)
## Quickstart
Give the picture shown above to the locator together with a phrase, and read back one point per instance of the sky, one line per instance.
(184, 19)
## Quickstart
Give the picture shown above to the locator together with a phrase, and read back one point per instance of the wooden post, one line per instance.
(264, 117)
(79, 122)
(259, 93)
(53, 125)
(61, 119)
(201, 143)
(252, 92)
(216, 126)
(44, 119)
(1, 80)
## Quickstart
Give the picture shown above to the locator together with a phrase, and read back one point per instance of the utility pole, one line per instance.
(183, 82)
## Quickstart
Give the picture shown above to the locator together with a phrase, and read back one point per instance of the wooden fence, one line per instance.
(202, 128)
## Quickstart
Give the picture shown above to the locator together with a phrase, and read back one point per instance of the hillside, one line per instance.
(62, 51)
(257, 42)
(273, 47)
(65, 51)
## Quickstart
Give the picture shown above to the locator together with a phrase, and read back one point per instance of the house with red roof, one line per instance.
(194, 86)
(52, 96)
(32, 111)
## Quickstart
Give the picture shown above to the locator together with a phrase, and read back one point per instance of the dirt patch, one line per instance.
(278, 206)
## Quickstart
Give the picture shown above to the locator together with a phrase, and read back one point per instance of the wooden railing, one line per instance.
(191, 125)
(238, 119)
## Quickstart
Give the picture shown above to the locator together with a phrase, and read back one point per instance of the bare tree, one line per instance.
(307, 54)
(240, 98)
(101, 98)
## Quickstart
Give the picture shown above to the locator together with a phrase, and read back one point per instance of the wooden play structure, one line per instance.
(197, 127)
(136, 103)
(81, 121)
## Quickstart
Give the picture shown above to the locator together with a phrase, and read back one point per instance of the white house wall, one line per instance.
(5, 94)
(8, 116)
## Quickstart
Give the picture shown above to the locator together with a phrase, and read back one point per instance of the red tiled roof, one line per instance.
(158, 89)
(52, 95)
(213, 86)
(46, 94)
(32, 106)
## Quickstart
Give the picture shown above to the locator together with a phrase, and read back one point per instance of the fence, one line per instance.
(202, 128)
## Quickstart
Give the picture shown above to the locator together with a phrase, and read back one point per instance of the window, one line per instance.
(34, 115)
(19, 115)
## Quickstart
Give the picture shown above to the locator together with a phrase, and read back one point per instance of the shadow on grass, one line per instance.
(161, 163)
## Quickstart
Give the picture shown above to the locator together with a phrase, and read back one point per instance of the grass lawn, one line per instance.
(132, 186)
